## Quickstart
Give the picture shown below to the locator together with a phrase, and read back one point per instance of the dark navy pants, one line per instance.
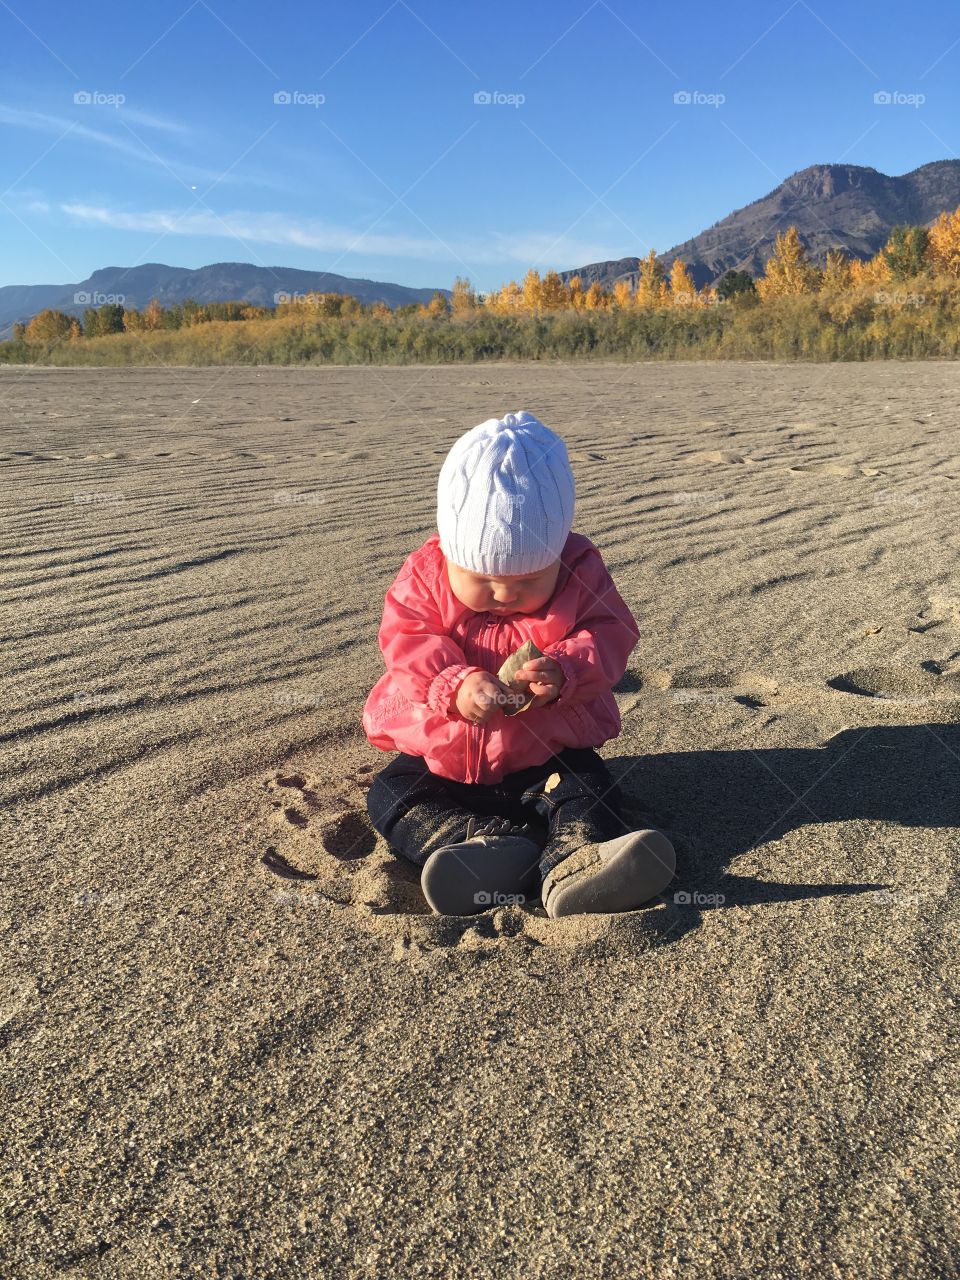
(417, 811)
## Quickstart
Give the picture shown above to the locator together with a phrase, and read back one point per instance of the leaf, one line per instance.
(513, 664)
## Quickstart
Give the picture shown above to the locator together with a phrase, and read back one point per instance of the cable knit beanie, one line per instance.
(505, 497)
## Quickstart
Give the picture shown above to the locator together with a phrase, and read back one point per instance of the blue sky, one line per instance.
(383, 165)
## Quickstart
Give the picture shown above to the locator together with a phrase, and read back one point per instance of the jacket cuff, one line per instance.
(442, 687)
(569, 669)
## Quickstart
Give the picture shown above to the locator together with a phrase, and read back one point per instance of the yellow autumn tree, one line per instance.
(683, 291)
(943, 245)
(869, 271)
(48, 328)
(554, 295)
(622, 294)
(153, 314)
(596, 297)
(652, 284)
(532, 290)
(836, 272)
(788, 271)
(512, 296)
(463, 299)
(576, 293)
(491, 299)
(509, 297)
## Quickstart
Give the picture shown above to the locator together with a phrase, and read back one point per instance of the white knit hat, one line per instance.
(505, 497)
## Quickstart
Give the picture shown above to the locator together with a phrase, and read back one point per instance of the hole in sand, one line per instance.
(890, 683)
(334, 845)
(349, 836)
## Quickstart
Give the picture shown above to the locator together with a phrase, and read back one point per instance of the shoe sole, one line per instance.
(466, 879)
(608, 879)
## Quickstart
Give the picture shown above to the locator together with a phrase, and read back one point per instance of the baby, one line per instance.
(498, 794)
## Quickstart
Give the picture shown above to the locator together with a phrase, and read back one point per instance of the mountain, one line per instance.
(833, 206)
(221, 282)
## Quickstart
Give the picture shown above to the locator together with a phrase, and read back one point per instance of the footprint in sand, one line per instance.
(36, 457)
(947, 604)
(922, 627)
(939, 611)
(727, 456)
(838, 470)
(716, 688)
(930, 682)
(330, 813)
(699, 688)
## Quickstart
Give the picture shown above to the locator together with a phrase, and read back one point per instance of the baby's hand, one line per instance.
(481, 696)
(544, 679)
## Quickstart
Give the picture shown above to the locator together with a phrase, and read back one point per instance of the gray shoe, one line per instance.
(615, 875)
(496, 865)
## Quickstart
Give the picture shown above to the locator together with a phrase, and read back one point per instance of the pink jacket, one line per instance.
(430, 641)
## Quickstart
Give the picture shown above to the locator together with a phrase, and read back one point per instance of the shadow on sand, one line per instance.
(719, 805)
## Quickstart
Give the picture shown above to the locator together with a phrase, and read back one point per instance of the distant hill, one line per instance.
(221, 282)
(833, 206)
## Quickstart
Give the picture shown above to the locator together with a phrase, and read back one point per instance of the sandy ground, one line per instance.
(215, 1071)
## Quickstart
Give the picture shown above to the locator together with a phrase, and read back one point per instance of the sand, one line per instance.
(216, 1070)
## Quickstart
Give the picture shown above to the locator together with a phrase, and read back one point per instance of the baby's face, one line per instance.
(517, 593)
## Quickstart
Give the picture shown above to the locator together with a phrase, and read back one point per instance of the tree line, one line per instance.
(905, 300)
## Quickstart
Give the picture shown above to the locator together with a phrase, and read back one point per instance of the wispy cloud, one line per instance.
(312, 234)
(542, 249)
(75, 127)
(149, 120)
